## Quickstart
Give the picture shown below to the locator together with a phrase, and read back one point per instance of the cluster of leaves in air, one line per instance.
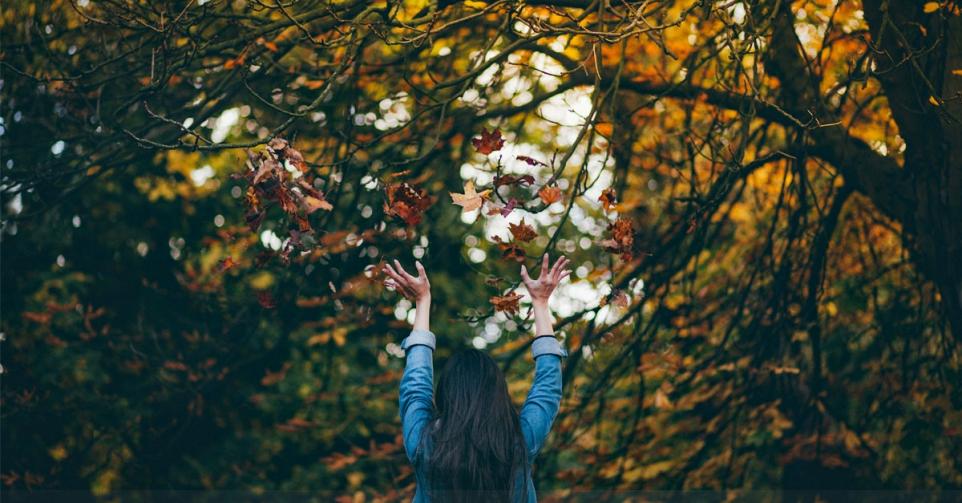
(278, 177)
(408, 203)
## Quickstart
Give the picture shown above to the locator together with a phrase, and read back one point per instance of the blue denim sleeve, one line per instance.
(417, 388)
(544, 398)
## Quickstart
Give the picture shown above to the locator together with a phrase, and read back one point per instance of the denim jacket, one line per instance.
(417, 396)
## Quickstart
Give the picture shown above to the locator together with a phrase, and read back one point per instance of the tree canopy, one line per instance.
(762, 201)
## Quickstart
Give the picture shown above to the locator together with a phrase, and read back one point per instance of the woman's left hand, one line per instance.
(414, 288)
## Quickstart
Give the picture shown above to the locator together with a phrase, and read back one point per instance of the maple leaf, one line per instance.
(511, 180)
(469, 200)
(550, 194)
(507, 303)
(489, 142)
(406, 202)
(522, 231)
(608, 198)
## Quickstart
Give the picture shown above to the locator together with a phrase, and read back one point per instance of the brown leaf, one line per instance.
(406, 202)
(295, 158)
(522, 231)
(622, 238)
(510, 251)
(608, 198)
(313, 204)
(489, 142)
(507, 303)
(512, 180)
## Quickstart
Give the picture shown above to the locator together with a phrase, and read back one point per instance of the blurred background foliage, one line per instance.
(777, 308)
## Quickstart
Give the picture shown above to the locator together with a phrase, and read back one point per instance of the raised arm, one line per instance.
(544, 398)
(417, 383)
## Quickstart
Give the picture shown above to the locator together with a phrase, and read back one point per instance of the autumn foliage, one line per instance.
(760, 201)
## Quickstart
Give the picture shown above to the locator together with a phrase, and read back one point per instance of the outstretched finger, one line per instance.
(559, 266)
(392, 273)
(544, 267)
(404, 274)
(564, 274)
(421, 272)
(524, 275)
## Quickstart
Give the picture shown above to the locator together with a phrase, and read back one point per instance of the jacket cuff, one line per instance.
(547, 345)
(422, 337)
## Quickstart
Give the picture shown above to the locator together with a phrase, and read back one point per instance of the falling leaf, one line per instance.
(550, 194)
(503, 210)
(957, 71)
(608, 198)
(507, 304)
(406, 202)
(313, 204)
(512, 180)
(469, 200)
(622, 238)
(489, 142)
(930, 7)
(522, 231)
(531, 161)
(934, 101)
(604, 129)
(510, 251)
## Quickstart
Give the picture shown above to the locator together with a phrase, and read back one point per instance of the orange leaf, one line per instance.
(549, 195)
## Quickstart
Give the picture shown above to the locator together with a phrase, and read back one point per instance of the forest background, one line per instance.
(762, 201)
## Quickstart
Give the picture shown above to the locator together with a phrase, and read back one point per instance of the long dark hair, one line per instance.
(477, 450)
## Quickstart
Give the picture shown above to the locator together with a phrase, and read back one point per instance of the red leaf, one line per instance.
(531, 161)
(489, 142)
(511, 180)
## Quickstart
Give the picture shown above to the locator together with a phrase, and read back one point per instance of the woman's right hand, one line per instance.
(540, 289)
(416, 288)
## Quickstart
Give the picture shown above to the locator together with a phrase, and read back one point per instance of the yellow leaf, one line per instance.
(930, 7)
(957, 71)
(934, 101)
